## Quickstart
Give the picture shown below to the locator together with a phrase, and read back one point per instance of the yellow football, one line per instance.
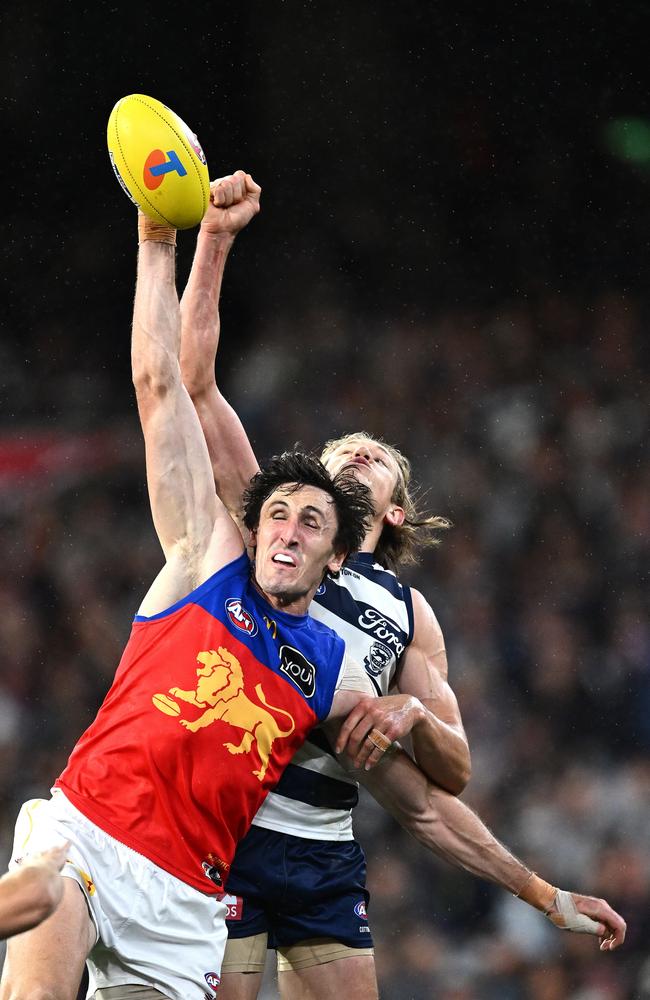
(158, 161)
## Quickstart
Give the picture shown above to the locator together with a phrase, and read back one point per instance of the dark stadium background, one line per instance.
(452, 252)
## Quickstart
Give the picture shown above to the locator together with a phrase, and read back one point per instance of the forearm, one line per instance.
(442, 823)
(200, 312)
(27, 896)
(231, 455)
(155, 344)
(441, 751)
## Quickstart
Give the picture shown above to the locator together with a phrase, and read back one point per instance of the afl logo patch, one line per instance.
(213, 980)
(298, 669)
(360, 910)
(240, 617)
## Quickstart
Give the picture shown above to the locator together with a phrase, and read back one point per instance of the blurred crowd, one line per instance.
(526, 423)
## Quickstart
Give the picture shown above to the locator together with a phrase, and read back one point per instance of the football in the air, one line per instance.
(158, 161)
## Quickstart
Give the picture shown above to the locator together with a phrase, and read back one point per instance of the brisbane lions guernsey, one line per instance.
(371, 610)
(209, 703)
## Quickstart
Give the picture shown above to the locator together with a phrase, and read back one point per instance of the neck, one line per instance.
(292, 604)
(371, 540)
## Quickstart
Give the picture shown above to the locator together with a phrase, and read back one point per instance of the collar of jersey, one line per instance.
(365, 558)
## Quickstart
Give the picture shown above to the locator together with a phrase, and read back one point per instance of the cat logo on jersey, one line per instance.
(220, 692)
(378, 658)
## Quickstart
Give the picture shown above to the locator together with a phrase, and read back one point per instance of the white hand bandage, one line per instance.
(564, 914)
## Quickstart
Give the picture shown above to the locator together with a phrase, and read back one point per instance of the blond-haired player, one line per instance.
(298, 882)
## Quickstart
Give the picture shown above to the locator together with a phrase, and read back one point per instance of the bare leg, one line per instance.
(47, 962)
(352, 978)
(240, 985)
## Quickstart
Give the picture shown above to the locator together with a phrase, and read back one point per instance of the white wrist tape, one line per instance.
(565, 915)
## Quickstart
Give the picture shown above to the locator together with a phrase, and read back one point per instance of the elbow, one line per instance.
(155, 381)
(461, 779)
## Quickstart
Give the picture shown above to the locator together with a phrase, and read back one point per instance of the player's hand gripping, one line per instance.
(572, 912)
(392, 716)
(587, 915)
(234, 201)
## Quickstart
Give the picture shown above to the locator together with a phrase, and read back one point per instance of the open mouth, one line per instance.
(282, 559)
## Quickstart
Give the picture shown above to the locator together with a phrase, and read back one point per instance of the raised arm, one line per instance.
(196, 534)
(234, 201)
(426, 708)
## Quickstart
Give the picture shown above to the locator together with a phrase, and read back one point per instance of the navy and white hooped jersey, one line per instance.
(371, 610)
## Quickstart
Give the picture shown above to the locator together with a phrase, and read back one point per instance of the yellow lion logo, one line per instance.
(220, 691)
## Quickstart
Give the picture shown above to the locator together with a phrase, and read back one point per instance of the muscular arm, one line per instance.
(233, 203)
(426, 708)
(32, 892)
(195, 532)
(447, 827)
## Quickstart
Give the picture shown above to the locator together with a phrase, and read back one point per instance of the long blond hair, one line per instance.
(398, 544)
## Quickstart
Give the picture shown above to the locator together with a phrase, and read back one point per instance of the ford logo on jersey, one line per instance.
(240, 617)
(298, 669)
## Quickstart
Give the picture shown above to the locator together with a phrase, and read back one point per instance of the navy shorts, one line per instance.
(294, 889)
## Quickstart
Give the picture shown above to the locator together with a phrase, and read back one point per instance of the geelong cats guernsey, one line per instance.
(209, 703)
(371, 610)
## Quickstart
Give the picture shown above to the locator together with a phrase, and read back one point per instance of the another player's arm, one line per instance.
(234, 201)
(447, 827)
(29, 894)
(426, 708)
(196, 534)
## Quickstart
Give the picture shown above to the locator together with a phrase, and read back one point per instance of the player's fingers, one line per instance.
(251, 186)
(358, 747)
(345, 730)
(349, 724)
(374, 747)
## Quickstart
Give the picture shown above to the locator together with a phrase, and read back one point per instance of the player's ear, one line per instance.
(337, 560)
(394, 516)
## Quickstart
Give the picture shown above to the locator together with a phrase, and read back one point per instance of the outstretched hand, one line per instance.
(588, 915)
(234, 201)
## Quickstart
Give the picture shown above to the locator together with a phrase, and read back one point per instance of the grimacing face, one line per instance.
(372, 464)
(294, 545)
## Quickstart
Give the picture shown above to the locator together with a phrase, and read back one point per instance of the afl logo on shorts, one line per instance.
(239, 617)
(360, 910)
(298, 669)
(213, 980)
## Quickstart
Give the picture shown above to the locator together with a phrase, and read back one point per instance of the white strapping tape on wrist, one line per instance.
(567, 916)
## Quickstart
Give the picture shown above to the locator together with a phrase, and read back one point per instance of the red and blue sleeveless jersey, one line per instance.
(209, 703)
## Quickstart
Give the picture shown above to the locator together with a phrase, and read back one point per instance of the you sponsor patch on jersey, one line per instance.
(240, 617)
(298, 669)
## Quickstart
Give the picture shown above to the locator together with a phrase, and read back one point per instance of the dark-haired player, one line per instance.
(223, 676)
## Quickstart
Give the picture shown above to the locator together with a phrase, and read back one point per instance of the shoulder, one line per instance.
(426, 627)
